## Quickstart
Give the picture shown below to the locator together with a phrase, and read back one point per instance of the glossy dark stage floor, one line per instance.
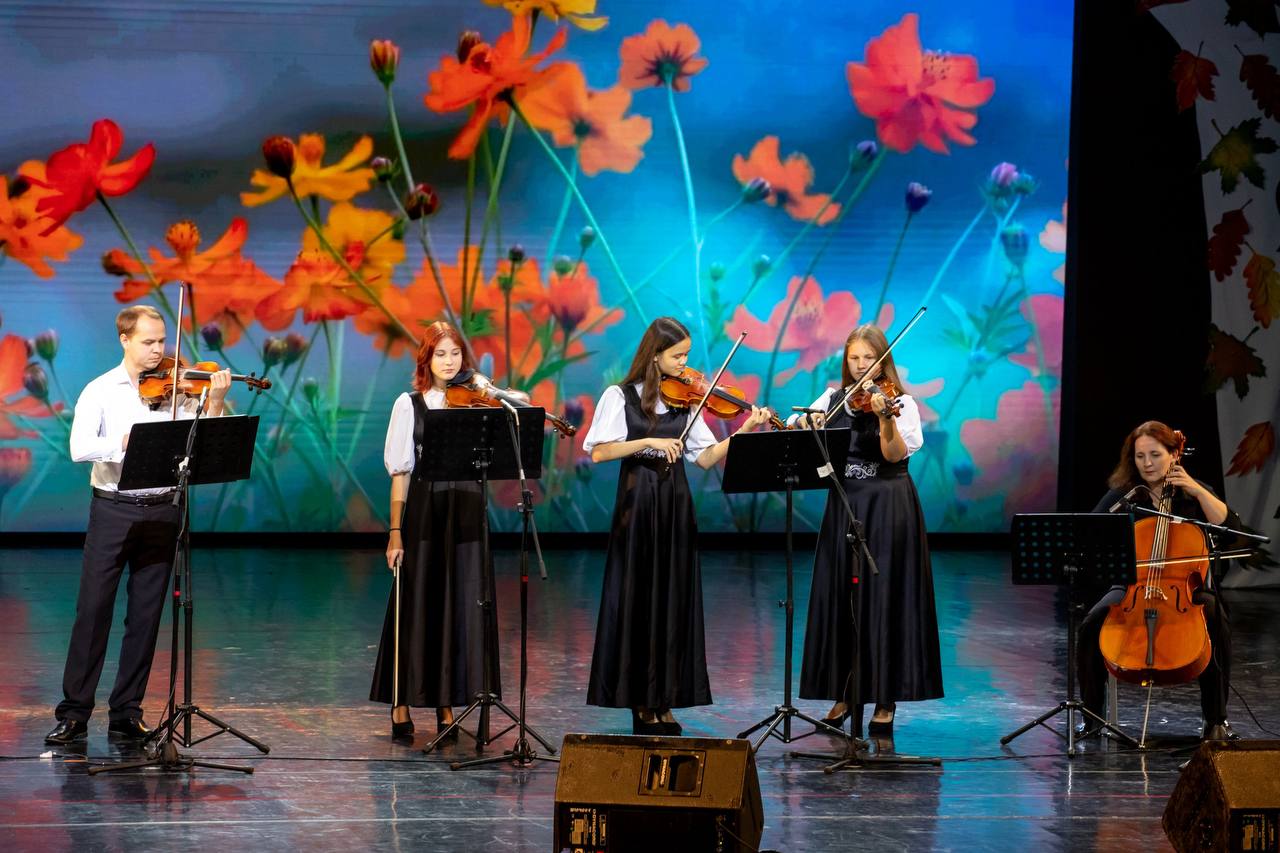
(284, 649)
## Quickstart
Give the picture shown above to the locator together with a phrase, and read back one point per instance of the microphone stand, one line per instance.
(521, 753)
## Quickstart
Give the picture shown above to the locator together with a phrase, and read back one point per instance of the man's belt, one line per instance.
(134, 500)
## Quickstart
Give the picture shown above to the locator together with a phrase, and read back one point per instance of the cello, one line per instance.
(1158, 634)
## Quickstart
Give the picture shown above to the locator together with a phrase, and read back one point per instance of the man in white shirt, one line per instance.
(138, 528)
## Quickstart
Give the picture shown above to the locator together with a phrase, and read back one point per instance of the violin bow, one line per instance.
(871, 370)
(177, 352)
(697, 410)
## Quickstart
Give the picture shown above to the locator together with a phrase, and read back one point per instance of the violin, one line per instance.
(885, 387)
(725, 401)
(155, 385)
(467, 392)
(1157, 634)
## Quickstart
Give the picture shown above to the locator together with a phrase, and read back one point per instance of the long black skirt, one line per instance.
(442, 642)
(897, 625)
(650, 650)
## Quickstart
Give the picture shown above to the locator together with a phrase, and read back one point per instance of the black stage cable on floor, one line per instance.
(1252, 716)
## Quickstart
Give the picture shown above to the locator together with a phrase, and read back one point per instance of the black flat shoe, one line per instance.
(836, 722)
(67, 732)
(401, 731)
(132, 729)
(640, 727)
(670, 727)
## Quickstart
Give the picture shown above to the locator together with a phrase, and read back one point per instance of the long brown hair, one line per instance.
(870, 334)
(1125, 475)
(662, 334)
(436, 333)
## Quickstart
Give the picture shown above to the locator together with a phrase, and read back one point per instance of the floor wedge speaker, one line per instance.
(618, 794)
(1228, 798)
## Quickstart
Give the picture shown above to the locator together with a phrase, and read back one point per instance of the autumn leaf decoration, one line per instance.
(1193, 76)
(1236, 154)
(1264, 288)
(1232, 359)
(1224, 245)
(1260, 15)
(1263, 81)
(1254, 450)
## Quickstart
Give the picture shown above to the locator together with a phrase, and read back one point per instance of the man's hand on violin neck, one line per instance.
(219, 383)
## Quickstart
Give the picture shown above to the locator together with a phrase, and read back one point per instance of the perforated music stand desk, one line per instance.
(783, 461)
(1055, 548)
(223, 452)
(460, 436)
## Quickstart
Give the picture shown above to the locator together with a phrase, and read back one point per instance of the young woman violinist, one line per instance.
(1150, 467)
(649, 652)
(899, 658)
(436, 536)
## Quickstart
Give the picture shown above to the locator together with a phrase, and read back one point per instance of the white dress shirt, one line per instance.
(908, 419)
(610, 424)
(397, 453)
(107, 409)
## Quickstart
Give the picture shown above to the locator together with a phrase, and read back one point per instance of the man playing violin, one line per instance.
(137, 527)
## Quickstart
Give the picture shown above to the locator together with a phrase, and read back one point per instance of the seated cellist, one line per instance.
(1149, 464)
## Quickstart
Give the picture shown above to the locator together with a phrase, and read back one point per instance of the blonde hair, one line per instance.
(127, 319)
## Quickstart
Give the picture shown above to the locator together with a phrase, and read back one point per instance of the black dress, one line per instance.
(899, 659)
(441, 627)
(1216, 677)
(649, 647)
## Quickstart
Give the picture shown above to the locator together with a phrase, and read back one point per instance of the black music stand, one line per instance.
(477, 445)
(787, 461)
(1053, 548)
(182, 454)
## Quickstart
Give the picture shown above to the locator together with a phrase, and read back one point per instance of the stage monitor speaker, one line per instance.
(1227, 799)
(617, 794)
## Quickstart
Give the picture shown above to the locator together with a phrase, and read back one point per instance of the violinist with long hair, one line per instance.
(436, 543)
(649, 651)
(897, 623)
(138, 528)
(1149, 469)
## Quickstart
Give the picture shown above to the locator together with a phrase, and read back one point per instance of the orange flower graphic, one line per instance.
(364, 239)
(661, 56)
(339, 181)
(789, 180)
(13, 361)
(481, 77)
(317, 286)
(914, 95)
(24, 234)
(573, 299)
(76, 174)
(596, 122)
(818, 327)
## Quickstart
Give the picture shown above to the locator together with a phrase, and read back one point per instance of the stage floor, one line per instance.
(285, 642)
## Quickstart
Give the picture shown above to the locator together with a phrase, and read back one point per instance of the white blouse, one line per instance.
(908, 418)
(398, 453)
(610, 424)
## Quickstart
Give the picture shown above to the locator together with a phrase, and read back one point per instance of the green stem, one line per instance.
(346, 469)
(53, 445)
(951, 255)
(893, 261)
(490, 211)
(288, 399)
(333, 343)
(693, 224)
(57, 383)
(675, 253)
(506, 323)
(586, 211)
(469, 202)
(395, 134)
(813, 263)
(563, 215)
(355, 277)
(371, 386)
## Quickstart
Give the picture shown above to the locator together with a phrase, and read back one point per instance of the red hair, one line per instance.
(437, 332)
(1126, 470)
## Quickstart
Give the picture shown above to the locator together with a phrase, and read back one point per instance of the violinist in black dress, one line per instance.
(436, 537)
(650, 654)
(1150, 465)
(897, 624)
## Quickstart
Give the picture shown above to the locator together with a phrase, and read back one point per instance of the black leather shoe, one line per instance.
(132, 729)
(67, 732)
(670, 727)
(640, 726)
(402, 731)
(1219, 731)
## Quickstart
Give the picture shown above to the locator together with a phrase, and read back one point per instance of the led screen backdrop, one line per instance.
(786, 169)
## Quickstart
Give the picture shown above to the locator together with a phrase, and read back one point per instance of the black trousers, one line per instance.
(1214, 680)
(119, 534)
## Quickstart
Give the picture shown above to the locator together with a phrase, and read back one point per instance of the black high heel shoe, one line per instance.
(672, 726)
(882, 727)
(442, 724)
(640, 726)
(401, 731)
